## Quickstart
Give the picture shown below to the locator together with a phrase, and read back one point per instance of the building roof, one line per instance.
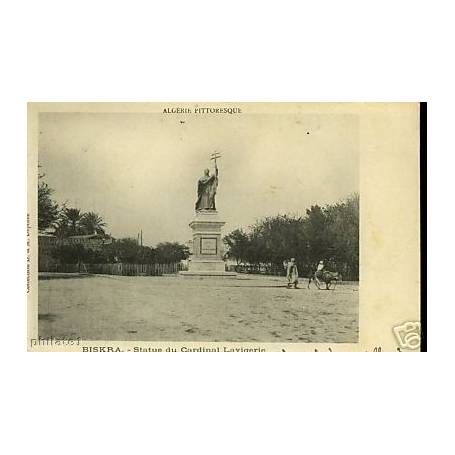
(86, 236)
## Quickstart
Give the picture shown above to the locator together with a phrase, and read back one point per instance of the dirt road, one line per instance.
(250, 308)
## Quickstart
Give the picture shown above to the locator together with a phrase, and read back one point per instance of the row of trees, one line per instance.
(125, 250)
(67, 221)
(74, 222)
(330, 233)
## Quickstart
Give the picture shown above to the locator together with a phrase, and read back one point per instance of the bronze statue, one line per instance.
(206, 188)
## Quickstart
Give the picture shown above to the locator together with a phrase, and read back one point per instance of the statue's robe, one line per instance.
(206, 190)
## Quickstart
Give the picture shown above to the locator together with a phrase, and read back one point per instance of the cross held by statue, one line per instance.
(214, 156)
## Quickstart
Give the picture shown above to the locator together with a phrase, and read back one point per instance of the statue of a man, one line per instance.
(206, 190)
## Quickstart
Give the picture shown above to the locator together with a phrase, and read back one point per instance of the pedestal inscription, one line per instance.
(209, 246)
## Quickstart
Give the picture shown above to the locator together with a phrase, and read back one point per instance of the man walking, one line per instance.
(292, 274)
(319, 272)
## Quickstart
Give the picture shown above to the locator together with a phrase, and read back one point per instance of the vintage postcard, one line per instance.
(224, 227)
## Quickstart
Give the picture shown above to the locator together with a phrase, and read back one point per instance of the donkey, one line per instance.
(329, 278)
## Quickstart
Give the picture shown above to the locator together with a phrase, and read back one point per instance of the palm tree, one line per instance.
(73, 218)
(61, 228)
(92, 223)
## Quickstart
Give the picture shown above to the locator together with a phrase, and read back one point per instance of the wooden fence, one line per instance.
(117, 269)
(348, 273)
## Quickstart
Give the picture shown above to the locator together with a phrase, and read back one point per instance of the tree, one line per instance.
(147, 255)
(91, 223)
(47, 208)
(280, 237)
(170, 252)
(316, 232)
(62, 228)
(237, 242)
(343, 230)
(71, 254)
(124, 250)
(72, 218)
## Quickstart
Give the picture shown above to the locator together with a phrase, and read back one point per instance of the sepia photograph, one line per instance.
(217, 223)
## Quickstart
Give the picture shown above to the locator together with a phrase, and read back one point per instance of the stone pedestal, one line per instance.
(207, 257)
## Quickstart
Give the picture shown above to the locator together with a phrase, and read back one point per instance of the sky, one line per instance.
(140, 170)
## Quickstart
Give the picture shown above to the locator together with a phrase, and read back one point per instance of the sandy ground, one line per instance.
(174, 308)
